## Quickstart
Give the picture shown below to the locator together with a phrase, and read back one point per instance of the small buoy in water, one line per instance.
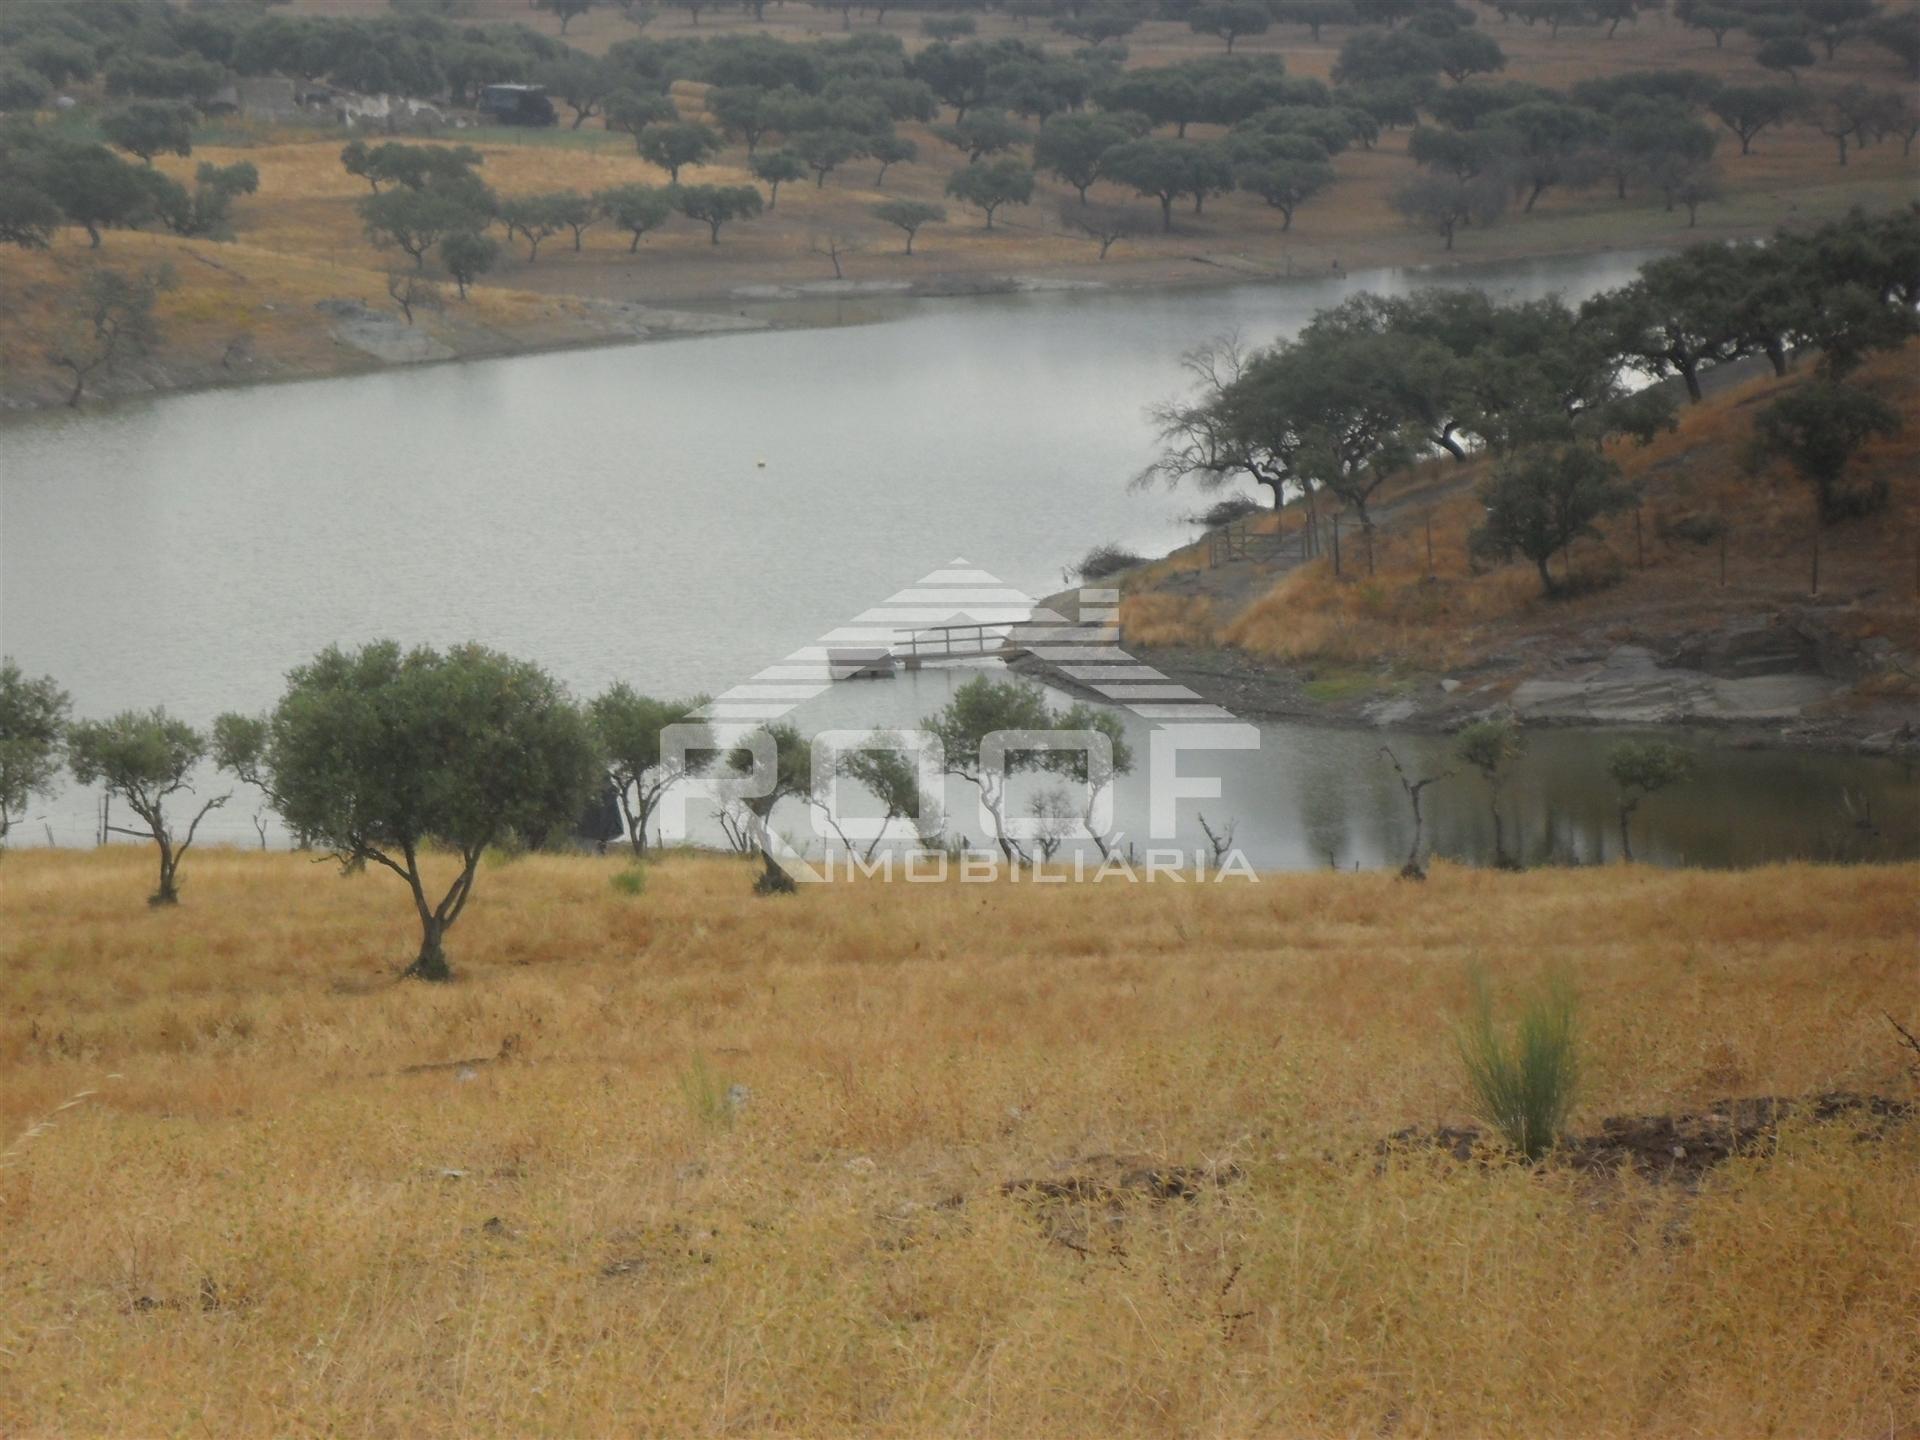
(761, 465)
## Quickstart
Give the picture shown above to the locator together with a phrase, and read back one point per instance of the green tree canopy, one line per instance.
(145, 758)
(384, 756)
(33, 727)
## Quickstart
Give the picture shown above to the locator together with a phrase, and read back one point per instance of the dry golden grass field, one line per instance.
(300, 238)
(278, 1209)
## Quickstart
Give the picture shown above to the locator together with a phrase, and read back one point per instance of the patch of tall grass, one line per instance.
(1522, 1083)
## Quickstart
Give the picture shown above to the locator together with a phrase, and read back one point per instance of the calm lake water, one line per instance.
(608, 513)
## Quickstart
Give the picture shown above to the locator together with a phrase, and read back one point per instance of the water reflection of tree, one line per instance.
(1327, 797)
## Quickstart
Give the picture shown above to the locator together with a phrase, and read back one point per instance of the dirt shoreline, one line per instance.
(587, 319)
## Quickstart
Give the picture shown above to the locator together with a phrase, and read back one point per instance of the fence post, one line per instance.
(1336, 547)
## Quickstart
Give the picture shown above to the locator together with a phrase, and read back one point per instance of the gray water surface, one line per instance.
(608, 513)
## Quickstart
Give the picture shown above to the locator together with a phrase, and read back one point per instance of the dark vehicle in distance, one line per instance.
(517, 105)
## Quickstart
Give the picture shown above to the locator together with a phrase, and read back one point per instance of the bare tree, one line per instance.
(1106, 224)
(1413, 869)
(836, 246)
(1221, 841)
(110, 317)
(413, 292)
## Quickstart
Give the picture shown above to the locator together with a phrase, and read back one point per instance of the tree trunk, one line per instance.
(431, 963)
(1166, 213)
(169, 891)
(1777, 356)
(1626, 837)
(1547, 582)
(1690, 372)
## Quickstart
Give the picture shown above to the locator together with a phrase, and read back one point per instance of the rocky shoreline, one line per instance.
(1782, 685)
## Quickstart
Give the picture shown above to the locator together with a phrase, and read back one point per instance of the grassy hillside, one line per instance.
(281, 1210)
(1666, 584)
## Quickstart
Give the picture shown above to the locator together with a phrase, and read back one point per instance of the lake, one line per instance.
(680, 514)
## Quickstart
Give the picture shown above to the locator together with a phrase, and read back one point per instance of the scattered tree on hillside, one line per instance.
(983, 133)
(824, 151)
(890, 150)
(1786, 53)
(468, 254)
(776, 168)
(33, 726)
(1467, 53)
(150, 127)
(381, 755)
(109, 317)
(716, 205)
(1071, 147)
(1747, 110)
(990, 184)
(636, 111)
(636, 209)
(1285, 172)
(1540, 500)
(1166, 170)
(580, 82)
(1106, 224)
(92, 187)
(411, 291)
(537, 217)
(1444, 203)
(415, 221)
(1231, 20)
(144, 759)
(1818, 428)
(673, 147)
(910, 216)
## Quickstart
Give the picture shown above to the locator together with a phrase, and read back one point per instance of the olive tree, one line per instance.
(635, 209)
(1491, 746)
(150, 127)
(1542, 499)
(109, 317)
(984, 708)
(1639, 768)
(468, 255)
(980, 708)
(990, 184)
(673, 147)
(777, 168)
(716, 205)
(628, 727)
(909, 216)
(33, 722)
(387, 756)
(145, 757)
